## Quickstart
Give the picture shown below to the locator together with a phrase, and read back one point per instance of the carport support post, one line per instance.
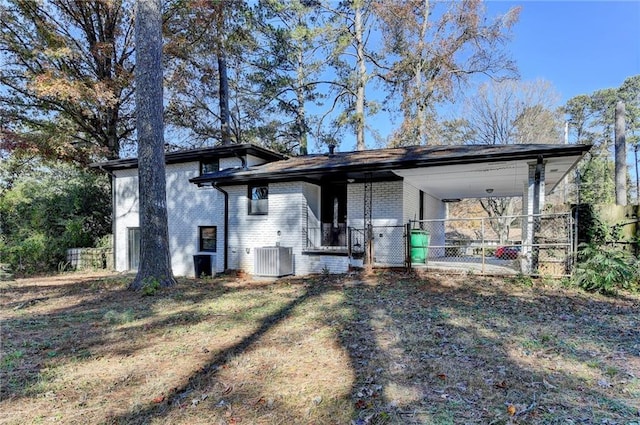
(534, 201)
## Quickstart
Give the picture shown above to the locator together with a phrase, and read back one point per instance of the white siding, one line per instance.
(188, 207)
(233, 162)
(435, 209)
(254, 160)
(410, 202)
(236, 162)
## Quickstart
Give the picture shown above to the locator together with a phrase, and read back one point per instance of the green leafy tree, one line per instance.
(208, 51)
(66, 79)
(349, 28)
(289, 75)
(46, 209)
(591, 120)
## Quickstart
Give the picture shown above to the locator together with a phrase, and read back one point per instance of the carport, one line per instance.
(527, 173)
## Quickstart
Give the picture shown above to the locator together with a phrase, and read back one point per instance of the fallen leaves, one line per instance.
(501, 385)
(446, 348)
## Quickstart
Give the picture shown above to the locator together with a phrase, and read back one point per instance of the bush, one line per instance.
(606, 269)
(48, 210)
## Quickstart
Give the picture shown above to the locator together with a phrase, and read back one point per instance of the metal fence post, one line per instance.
(408, 245)
(482, 241)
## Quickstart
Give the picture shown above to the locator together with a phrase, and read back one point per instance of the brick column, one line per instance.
(533, 204)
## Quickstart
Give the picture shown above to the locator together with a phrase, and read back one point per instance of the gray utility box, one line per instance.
(273, 261)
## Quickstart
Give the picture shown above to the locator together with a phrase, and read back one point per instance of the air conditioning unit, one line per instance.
(273, 261)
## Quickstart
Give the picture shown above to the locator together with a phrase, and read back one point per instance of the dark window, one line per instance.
(208, 238)
(209, 166)
(258, 199)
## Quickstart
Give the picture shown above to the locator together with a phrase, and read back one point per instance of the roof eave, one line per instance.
(309, 174)
(195, 154)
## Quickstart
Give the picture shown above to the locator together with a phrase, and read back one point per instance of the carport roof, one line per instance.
(461, 171)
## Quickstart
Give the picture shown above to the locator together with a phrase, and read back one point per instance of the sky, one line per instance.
(579, 46)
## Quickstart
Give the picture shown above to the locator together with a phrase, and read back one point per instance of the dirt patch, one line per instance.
(378, 348)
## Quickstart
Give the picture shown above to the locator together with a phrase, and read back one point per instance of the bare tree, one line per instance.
(436, 46)
(155, 259)
(510, 112)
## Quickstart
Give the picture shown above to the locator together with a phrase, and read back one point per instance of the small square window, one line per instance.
(258, 199)
(209, 166)
(208, 238)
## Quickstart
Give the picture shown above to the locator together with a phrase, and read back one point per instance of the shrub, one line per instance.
(150, 286)
(47, 210)
(606, 269)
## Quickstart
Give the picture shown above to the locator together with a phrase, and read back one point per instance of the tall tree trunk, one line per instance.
(112, 133)
(155, 259)
(361, 78)
(301, 119)
(225, 115)
(621, 155)
(419, 78)
(301, 122)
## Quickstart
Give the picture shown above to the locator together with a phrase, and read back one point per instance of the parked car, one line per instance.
(508, 252)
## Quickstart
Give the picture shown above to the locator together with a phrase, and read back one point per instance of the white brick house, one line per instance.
(229, 202)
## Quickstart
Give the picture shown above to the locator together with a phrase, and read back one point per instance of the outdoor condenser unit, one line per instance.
(273, 261)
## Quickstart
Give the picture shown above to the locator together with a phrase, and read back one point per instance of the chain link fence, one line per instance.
(531, 245)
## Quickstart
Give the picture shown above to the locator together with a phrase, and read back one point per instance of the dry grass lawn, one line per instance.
(382, 348)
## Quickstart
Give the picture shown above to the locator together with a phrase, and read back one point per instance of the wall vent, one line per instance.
(273, 261)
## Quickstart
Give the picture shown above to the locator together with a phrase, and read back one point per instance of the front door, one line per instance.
(334, 214)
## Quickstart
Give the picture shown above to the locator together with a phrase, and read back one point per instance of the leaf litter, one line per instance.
(381, 347)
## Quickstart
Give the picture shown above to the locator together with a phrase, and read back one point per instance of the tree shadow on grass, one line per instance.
(445, 350)
(176, 399)
(79, 321)
(428, 351)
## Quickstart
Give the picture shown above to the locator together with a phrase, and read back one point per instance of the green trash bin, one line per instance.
(419, 246)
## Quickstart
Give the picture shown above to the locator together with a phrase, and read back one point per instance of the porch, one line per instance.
(533, 245)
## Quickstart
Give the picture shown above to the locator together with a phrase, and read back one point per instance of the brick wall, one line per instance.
(287, 207)
(386, 200)
(293, 208)
(188, 207)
